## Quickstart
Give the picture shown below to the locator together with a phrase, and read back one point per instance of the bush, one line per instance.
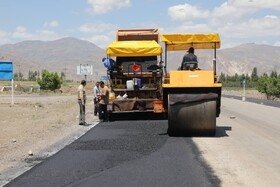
(49, 81)
(270, 86)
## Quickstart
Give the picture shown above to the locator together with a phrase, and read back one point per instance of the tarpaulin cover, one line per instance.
(134, 48)
(176, 42)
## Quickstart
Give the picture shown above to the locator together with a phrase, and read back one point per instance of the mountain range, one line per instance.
(64, 55)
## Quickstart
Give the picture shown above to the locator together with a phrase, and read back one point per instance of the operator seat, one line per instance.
(192, 65)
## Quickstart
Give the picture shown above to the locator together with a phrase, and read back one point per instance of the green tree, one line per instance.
(18, 76)
(262, 83)
(32, 75)
(38, 74)
(49, 81)
(62, 75)
(254, 75)
(273, 74)
(269, 86)
(236, 77)
(222, 77)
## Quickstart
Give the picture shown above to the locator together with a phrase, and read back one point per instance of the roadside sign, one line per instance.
(6, 71)
(85, 69)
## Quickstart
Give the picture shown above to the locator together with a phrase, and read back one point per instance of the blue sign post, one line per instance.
(6, 70)
(7, 73)
(104, 78)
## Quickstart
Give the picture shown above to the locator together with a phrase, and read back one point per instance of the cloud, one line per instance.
(21, 34)
(45, 35)
(277, 43)
(265, 26)
(255, 4)
(51, 24)
(234, 10)
(4, 37)
(233, 33)
(186, 12)
(97, 28)
(101, 41)
(188, 27)
(3, 34)
(102, 7)
(102, 33)
(237, 21)
(228, 13)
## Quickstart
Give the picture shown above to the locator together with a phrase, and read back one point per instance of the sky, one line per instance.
(237, 21)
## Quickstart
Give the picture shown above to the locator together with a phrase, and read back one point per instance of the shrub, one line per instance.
(270, 86)
(49, 81)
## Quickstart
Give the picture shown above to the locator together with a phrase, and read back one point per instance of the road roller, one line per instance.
(191, 96)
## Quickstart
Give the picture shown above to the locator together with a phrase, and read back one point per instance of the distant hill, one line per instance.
(240, 59)
(64, 55)
(243, 58)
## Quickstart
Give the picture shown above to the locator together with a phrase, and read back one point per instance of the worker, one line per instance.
(108, 63)
(103, 101)
(82, 102)
(95, 98)
(189, 61)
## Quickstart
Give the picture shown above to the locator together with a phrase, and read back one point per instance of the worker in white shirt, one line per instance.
(82, 102)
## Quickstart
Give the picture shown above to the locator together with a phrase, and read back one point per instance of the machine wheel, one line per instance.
(191, 118)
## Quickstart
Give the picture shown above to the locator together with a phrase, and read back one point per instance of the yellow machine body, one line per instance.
(187, 79)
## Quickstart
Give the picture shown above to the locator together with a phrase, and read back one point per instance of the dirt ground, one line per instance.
(38, 125)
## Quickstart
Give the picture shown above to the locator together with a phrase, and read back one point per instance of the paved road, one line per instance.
(258, 101)
(249, 152)
(126, 153)
(245, 152)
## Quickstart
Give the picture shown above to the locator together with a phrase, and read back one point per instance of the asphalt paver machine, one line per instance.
(136, 76)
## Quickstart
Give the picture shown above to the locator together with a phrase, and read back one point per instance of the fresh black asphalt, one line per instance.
(124, 153)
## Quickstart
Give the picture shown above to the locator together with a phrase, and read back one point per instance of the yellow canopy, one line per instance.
(176, 42)
(134, 48)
